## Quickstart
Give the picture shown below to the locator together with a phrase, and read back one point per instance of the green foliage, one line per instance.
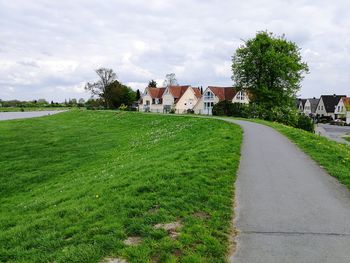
(94, 104)
(74, 193)
(152, 84)
(138, 95)
(118, 94)
(286, 115)
(270, 68)
(227, 108)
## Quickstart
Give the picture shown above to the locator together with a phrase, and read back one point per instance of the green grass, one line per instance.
(75, 185)
(347, 137)
(15, 109)
(332, 156)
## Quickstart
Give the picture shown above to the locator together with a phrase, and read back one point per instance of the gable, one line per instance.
(331, 101)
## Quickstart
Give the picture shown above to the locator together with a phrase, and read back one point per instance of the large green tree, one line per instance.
(270, 68)
(99, 88)
(119, 94)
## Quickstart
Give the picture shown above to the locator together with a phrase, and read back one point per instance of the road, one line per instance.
(288, 208)
(333, 132)
(25, 115)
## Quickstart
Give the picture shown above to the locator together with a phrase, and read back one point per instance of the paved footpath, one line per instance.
(288, 208)
(26, 114)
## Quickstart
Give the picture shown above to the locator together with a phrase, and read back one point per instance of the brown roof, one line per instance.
(197, 92)
(224, 93)
(346, 102)
(178, 91)
(156, 92)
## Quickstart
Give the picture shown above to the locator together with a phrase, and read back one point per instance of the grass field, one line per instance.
(76, 185)
(15, 109)
(333, 156)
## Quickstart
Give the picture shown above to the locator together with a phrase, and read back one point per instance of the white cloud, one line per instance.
(51, 48)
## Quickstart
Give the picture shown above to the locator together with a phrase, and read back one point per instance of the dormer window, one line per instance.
(208, 95)
(240, 95)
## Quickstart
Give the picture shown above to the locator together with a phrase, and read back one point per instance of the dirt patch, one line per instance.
(132, 241)
(172, 228)
(113, 260)
(202, 215)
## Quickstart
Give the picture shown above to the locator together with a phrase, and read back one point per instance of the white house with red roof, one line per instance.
(152, 100)
(213, 95)
(179, 99)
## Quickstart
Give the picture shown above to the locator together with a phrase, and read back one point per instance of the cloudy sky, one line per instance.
(49, 49)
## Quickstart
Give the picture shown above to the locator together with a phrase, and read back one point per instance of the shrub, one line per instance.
(123, 107)
(305, 123)
(285, 115)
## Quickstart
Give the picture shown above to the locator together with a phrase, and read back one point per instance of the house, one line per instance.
(301, 104)
(151, 100)
(213, 95)
(326, 105)
(340, 110)
(310, 107)
(179, 99)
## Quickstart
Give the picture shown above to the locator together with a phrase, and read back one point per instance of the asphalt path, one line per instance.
(288, 209)
(25, 114)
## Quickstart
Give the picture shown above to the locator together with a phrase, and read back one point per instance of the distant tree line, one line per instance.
(41, 103)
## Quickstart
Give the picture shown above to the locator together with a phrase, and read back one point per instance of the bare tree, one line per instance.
(99, 88)
(170, 80)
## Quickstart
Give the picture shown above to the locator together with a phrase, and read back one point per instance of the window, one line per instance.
(240, 95)
(208, 105)
(153, 101)
(338, 108)
(147, 102)
(208, 95)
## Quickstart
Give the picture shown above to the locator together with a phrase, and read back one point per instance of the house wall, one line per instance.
(151, 107)
(199, 107)
(321, 110)
(241, 97)
(340, 110)
(307, 108)
(300, 107)
(156, 108)
(186, 102)
(168, 98)
(143, 107)
(348, 117)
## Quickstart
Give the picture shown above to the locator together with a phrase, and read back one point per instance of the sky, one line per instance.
(50, 49)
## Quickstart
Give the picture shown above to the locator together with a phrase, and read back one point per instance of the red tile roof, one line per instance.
(197, 92)
(224, 93)
(156, 92)
(178, 91)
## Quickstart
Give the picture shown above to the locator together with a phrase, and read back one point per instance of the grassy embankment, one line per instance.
(333, 156)
(76, 185)
(16, 109)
